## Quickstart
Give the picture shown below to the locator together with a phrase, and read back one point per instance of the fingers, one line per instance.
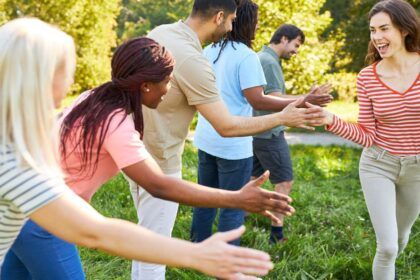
(312, 109)
(230, 235)
(261, 180)
(271, 216)
(325, 88)
(276, 202)
(306, 127)
(241, 276)
(278, 207)
(277, 196)
(313, 86)
(297, 102)
(249, 261)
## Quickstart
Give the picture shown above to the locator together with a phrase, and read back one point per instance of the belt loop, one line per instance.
(381, 154)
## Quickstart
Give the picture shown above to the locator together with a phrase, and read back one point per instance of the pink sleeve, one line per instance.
(123, 142)
(363, 132)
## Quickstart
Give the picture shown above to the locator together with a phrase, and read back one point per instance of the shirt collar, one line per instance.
(270, 51)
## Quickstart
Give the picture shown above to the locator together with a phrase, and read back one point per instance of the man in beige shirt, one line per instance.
(193, 88)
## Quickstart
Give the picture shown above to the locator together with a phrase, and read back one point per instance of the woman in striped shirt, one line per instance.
(388, 127)
(37, 62)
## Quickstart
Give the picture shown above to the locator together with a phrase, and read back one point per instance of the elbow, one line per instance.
(90, 242)
(259, 106)
(90, 237)
(227, 131)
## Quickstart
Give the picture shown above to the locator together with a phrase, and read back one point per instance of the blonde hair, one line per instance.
(31, 51)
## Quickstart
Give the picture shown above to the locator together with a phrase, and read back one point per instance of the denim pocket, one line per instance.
(39, 232)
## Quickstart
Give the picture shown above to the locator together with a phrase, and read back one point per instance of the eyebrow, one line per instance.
(383, 25)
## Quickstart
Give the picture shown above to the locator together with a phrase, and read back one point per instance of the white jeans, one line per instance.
(157, 215)
(391, 186)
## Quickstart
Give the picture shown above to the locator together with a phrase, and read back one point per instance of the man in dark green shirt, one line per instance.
(270, 148)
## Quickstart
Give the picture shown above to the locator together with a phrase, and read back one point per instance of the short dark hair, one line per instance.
(208, 8)
(403, 16)
(289, 31)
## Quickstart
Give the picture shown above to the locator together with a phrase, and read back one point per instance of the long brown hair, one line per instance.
(136, 61)
(405, 18)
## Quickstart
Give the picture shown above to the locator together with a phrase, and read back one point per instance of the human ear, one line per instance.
(220, 16)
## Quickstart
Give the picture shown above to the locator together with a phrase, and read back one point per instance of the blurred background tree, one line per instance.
(3, 16)
(336, 32)
(90, 22)
(316, 55)
(139, 17)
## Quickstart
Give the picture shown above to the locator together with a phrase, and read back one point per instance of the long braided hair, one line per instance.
(136, 61)
(244, 26)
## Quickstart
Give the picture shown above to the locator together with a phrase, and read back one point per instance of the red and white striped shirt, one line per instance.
(387, 118)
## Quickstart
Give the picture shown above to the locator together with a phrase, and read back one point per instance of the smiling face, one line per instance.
(154, 93)
(290, 48)
(387, 39)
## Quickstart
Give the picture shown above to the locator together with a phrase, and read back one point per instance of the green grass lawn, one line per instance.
(330, 236)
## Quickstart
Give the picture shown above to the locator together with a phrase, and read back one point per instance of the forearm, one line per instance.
(82, 225)
(228, 125)
(188, 193)
(272, 102)
(354, 132)
(133, 242)
(236, 126)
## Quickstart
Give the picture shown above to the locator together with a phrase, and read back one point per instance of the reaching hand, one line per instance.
(222, 260)
(328, 116)
(319, 95)
(302, 117)
(253, 198)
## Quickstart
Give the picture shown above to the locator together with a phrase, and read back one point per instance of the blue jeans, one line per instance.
(223, 174)
(37, 254)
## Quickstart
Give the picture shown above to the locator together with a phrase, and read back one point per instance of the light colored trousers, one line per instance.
(391, 186)
(157, 215)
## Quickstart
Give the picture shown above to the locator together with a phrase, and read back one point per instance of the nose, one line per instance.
(376, 35)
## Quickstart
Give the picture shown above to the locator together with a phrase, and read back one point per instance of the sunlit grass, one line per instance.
(330, 236)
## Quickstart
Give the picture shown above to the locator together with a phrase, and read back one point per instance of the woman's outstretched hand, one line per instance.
(217, 258)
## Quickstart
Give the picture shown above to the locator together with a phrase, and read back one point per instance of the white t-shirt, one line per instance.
(22, 191)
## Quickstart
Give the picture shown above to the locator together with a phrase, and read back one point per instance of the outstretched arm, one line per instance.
(251, 197)
(228, 125)
(276, 101)
(74, 220)
(363, 132)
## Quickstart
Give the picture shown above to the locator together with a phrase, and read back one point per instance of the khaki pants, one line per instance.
(157, 215)
(391, 187)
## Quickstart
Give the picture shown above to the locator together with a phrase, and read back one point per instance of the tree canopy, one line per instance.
(90, 22)
(336, 33)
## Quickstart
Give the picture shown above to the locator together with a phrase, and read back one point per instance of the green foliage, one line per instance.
(315, 56)
(90, 23)
(139, 17)
(344, 85)
(330, 235)
(3, 15)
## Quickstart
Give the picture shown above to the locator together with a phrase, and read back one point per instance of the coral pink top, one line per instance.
(387, 118)
(122, 147)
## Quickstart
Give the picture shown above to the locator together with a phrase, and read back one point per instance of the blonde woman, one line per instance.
(36, 70)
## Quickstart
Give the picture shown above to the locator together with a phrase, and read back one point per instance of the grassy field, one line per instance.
(330, 236)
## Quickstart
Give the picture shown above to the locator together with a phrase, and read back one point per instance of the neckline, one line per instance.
(388, 87)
